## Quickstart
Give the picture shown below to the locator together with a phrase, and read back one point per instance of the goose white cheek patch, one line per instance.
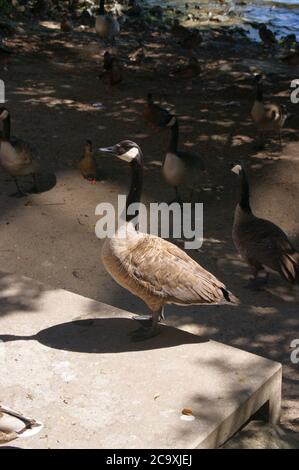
(4, 114)
(236, 169)
(130, 155)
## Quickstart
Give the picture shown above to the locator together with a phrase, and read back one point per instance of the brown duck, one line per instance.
(157, 116)
(262, 244)
(87, 165)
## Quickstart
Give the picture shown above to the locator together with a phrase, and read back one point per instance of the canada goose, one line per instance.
(261, 243)
(267, 117)
(266, 35)
(14, 425)
(181, 167)
(65, 25)
(87, 165)
(106, 25)
(17, 157)
(112, 70)
(156, 116)
(152, 268)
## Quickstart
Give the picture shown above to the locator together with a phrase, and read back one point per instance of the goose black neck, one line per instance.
(174, 137)
(245, 194)
(102, 7)
(6, 128)
(136, 184)
(259, 92)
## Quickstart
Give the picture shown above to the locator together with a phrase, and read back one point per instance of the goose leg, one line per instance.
(256, 282)
(19, 192)
(35, 187)
(280, 139)
(177, 196)
(149, 326)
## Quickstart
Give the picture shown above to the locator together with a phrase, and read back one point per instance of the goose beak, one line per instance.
(112, 150)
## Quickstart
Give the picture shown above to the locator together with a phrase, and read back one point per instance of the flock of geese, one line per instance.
(148, 266)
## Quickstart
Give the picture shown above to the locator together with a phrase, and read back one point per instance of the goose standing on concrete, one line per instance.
(261, 243)
(267, 117)
(152, 268)
(14, 425)
(106, 26)
(17, 157)
(181, 167)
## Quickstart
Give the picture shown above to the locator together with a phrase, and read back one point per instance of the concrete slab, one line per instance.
(69, 361)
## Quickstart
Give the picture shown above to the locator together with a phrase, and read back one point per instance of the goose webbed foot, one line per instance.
(148, 328)
(18, 194)
(258, 282)
(144, 333)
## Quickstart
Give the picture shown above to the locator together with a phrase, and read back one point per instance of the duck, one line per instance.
(268, 117)
(14, 425)
(17, 157)
(151, 268)
(266, 35)
(262, 244)
(155, 115)
(188, 71)
(5, 54)
(113, 74)
(106, 26)
(292, 58)
(87, 165)
(65, 25)
(181, 167)
(187, 38)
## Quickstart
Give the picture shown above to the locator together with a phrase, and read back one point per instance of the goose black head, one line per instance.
(126, 150)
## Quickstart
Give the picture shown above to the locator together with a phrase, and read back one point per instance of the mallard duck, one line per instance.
(106, 26)
(188, 71)
(151, 268)
(266, 35)
(113, 73)
(292, 58)
(181, 167)
(87, 165)
(267, 117)
(262, 244)
(13, 425)
(155, 115)
(17, 157)
(187, 38)
(65, 25)
(5, 53)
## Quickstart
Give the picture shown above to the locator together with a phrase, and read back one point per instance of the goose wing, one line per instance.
(267, 243)
(25, 150)
(192, 160)
(166, 271)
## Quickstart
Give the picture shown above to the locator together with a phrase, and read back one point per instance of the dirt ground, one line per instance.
(51, 89)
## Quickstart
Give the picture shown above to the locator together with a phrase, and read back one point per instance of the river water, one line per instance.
(282, 16)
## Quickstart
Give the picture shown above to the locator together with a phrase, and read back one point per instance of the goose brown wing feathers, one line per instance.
(166, 271)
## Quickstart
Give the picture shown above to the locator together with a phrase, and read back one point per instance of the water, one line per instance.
(282, 16)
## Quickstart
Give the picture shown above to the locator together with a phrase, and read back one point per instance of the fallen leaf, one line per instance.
(187, 412)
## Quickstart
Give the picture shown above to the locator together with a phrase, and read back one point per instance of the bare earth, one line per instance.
(51, 87)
